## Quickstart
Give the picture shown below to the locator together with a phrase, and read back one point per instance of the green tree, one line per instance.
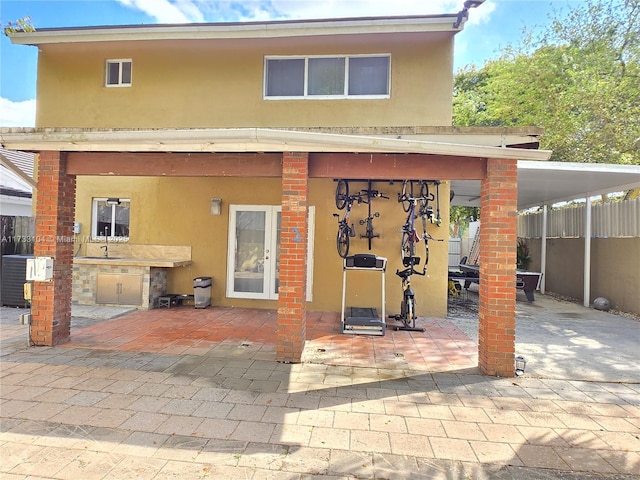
(20, 25)
(459, 219)
(579, 79)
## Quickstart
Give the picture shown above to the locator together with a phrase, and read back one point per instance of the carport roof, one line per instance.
(546, 183)
(553, 182)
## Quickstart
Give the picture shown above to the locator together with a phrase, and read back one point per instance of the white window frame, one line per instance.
(306, 96)
(94, 220)
(270, 232)
(120, 62)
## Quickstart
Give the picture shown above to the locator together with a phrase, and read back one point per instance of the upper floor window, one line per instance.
(359, 76)
(118, 73)
(110, 218)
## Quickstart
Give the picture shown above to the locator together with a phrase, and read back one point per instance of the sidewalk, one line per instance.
(86, 413)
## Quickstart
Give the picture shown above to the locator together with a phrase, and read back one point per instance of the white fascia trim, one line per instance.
(354, 26)
(581, 167)
(242, 140)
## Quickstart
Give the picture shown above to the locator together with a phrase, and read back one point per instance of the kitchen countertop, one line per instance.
(131, 262)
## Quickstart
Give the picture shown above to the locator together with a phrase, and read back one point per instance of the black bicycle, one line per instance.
(370, 194)
(414, 206)
(345, 229)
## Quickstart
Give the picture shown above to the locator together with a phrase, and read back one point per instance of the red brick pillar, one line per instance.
(56, 199)
(498, 237)
(292, 304)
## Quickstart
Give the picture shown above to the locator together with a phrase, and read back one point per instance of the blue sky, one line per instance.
(491, 26)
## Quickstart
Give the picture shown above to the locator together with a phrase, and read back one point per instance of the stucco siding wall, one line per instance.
(209, 84)
(615, 269)
(175, 211)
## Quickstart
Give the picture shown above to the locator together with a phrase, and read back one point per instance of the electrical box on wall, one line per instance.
(77, 226)
(39, 269)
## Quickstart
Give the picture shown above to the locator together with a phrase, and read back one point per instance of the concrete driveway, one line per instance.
(566, 341)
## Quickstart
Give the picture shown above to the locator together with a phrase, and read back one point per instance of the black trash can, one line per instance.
(202, 292)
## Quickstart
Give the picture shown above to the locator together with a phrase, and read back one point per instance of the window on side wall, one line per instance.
(327, 77)
(118, 73)
(110, 218)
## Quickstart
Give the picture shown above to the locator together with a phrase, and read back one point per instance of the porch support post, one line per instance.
(543, 250)
(55, 209)
(586, 287)
(498, 239)
(292, 291)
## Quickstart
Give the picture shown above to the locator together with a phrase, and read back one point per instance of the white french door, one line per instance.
(254, 252)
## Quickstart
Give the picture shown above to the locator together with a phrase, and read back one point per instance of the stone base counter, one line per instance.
(128, 276)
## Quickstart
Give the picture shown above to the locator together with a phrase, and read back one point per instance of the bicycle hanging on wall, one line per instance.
(414, 205)
(345, 229)
(369, 230)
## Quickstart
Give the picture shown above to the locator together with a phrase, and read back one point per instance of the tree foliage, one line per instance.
(459, 219)
(20, 25)
(579, 79)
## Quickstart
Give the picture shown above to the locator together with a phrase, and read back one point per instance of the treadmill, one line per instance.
(363, 320)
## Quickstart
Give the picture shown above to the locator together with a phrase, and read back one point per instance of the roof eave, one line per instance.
(209, 31)
(242, 140)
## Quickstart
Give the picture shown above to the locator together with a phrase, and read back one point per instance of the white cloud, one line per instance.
(364, 8)
(163, 11)
(482, 14)
(184, 11)
(17, 114)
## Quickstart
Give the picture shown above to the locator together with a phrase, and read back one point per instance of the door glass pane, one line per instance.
(326, 76)
(249, 252)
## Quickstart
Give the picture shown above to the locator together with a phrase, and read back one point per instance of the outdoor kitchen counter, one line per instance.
(131, 262)
(131, 274)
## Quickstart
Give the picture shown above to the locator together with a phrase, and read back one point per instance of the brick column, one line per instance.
(498, 237)
(292, 304)
(55, 209)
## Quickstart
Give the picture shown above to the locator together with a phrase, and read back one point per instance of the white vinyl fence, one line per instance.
(608, 220)
(454, 252)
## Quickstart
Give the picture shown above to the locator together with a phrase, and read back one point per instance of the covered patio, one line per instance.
(250, 335)
(295, 157)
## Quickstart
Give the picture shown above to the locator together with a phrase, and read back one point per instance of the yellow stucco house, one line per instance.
(216, 149)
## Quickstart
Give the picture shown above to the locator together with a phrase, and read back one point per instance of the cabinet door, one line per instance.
(119, 289)
(130, 289)
(107, 288)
